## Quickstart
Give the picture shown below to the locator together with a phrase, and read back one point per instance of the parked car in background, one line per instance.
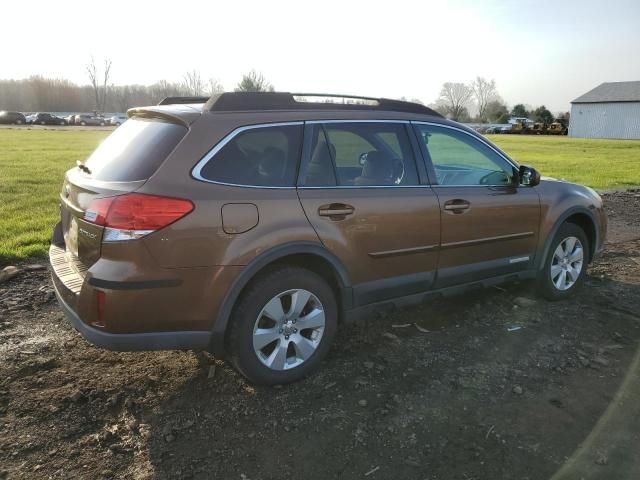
(248, 225)
(118, 120)
(48, 119)
(90, 119)
(492, 129)
(70, 119)
(15, 118)
(505, 129)
(30, 118)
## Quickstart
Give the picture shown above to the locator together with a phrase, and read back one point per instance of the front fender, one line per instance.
(559, 202)
(546, 243)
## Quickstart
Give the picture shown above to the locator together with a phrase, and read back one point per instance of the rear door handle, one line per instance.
(457, 205)
(335, 211)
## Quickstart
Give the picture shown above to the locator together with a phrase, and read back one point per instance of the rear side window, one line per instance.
(261, 156)
(359, 155)
(135, 150)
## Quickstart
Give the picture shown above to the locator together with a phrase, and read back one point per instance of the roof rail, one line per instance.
(252, 101)
(182, 100)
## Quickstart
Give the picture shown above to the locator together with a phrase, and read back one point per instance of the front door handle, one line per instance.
(335, 211)
(457, 205)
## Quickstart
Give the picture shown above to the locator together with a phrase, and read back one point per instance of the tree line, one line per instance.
(38, 93)
(456, 100)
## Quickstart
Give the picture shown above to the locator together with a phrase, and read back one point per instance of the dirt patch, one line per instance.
(493, 385)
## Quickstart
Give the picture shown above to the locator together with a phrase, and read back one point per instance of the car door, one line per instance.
(364, 196)
(489, 223)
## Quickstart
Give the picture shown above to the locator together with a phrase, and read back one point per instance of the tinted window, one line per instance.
(264, 156)
(360, 154)
(135, 150)
(460, 159)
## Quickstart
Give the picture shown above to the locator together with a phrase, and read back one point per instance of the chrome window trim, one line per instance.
(196, 171)
(312, 122)
(481, 140)
(435, 185)
(333, 187)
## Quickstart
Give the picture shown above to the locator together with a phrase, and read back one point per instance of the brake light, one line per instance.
(135, 215)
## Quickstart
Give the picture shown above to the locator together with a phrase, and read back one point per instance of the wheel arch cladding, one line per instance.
(581, 217)
(310, 255)
(587, 224)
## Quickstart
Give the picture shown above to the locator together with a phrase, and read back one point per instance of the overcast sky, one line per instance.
(539, 52)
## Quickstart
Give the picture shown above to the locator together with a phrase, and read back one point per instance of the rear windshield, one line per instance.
(135, 150)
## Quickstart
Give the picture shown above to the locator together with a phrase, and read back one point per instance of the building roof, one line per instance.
(612, 92)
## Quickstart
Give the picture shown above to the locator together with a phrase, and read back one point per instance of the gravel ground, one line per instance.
(491, 385)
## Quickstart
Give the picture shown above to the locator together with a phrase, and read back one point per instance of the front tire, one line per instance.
(283, 326)
(566, 264)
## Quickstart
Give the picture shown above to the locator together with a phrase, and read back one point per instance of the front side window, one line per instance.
(359, 155)
(460, 159)
(263, 156)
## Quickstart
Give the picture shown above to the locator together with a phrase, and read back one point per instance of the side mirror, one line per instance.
(529, 176)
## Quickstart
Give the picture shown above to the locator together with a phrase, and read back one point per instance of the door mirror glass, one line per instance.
(529, 176)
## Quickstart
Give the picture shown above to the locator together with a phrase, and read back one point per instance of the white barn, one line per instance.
(611, 110)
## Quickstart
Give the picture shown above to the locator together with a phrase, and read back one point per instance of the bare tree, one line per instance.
(193, 83)
(105, 81)
(164, 89)
(254, 82)
(454, 99)
(92, 71)
(214, 86)
(484, 92)
(99, 90)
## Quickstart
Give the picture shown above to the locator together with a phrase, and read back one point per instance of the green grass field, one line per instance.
(33, 162)
(32, 165)
(600, 164)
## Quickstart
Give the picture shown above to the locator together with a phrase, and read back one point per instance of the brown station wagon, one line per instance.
(251, 224)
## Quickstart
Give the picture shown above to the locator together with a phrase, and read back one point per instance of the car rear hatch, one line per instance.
(103, 186)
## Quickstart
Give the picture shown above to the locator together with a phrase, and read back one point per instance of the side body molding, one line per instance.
(258, 263)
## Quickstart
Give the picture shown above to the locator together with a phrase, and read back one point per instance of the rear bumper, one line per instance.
(126, 342)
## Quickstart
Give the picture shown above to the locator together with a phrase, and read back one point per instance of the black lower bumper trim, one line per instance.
(130, 342)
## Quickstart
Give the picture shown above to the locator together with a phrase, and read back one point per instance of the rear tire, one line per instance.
(565, 267)
(296, 339)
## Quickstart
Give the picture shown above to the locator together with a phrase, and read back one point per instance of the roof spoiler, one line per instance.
(182, 100)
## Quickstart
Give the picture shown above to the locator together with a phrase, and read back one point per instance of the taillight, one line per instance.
(134, 215)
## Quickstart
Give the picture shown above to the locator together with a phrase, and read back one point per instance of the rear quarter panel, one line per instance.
(199, 239)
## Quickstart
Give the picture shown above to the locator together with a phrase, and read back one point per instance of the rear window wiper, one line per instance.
(83, 167)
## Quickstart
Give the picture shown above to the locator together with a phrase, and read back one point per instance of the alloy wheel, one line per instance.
(567, 263)
(288, 329)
